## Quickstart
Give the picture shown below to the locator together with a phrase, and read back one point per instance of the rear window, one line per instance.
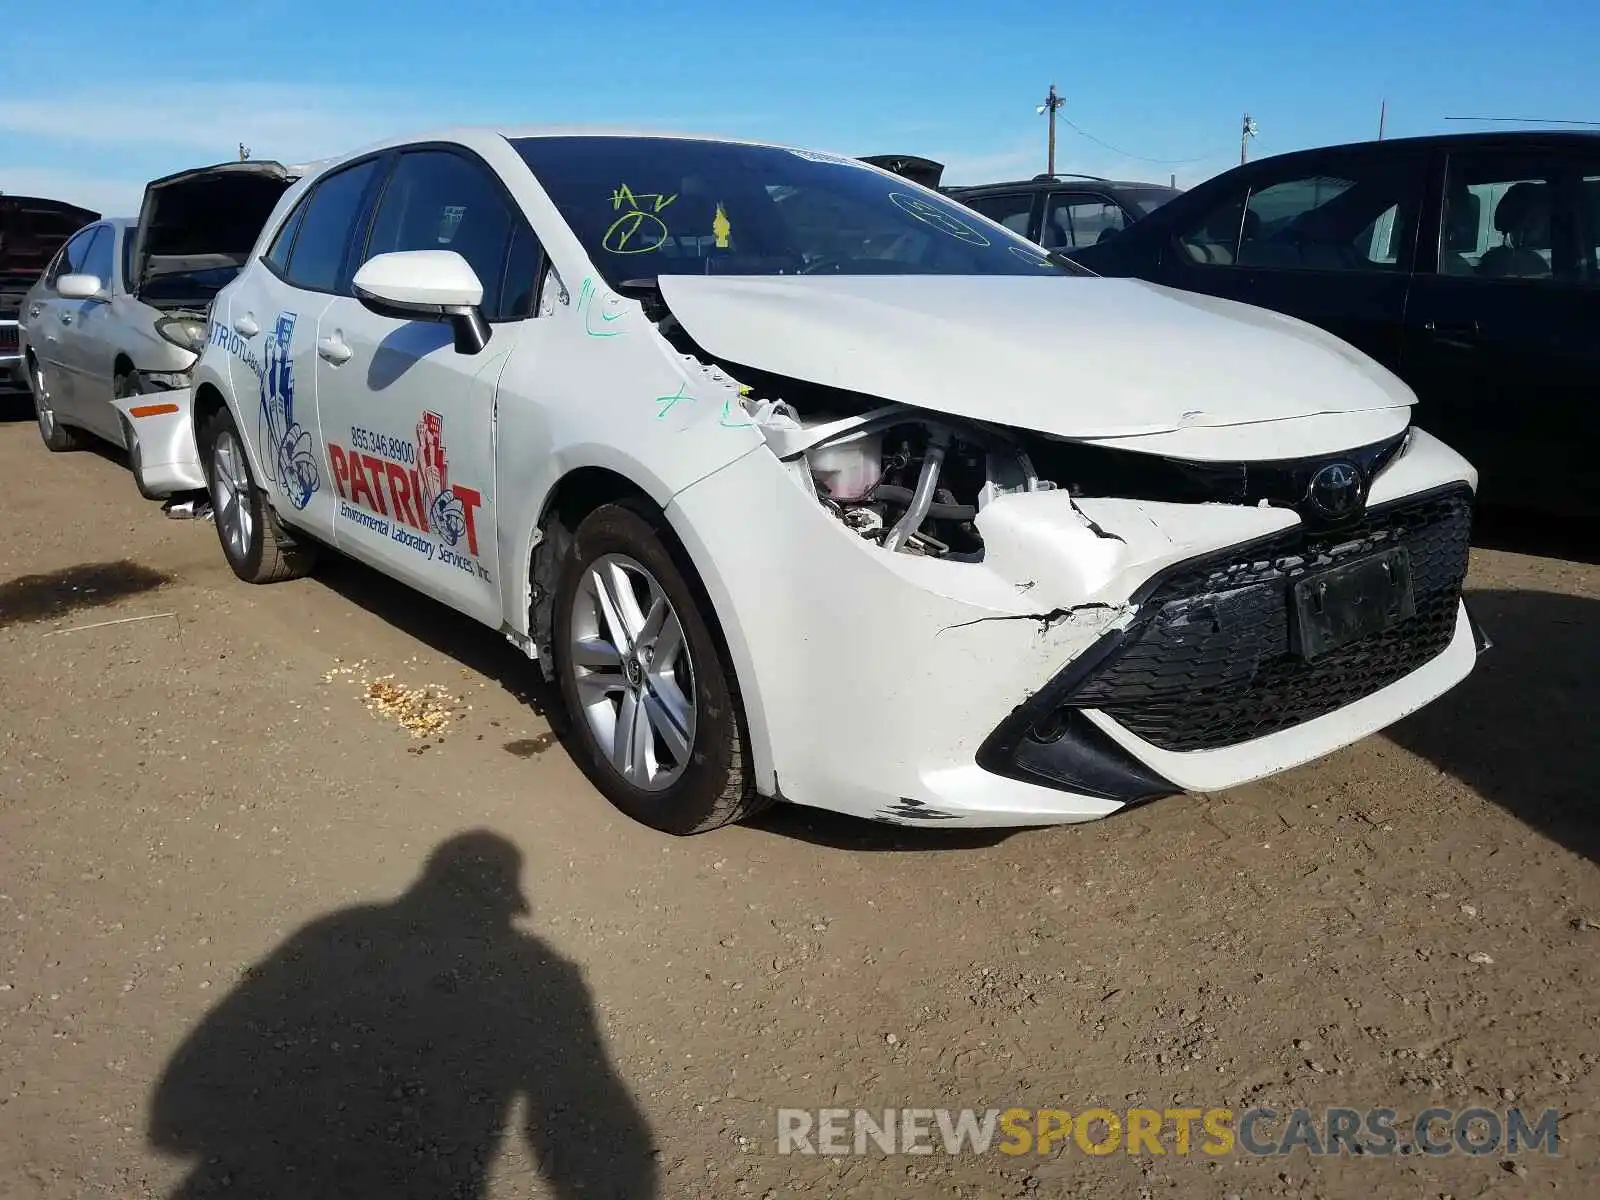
(649, 206)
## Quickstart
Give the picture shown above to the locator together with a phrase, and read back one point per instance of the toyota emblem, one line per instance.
(1336, 490)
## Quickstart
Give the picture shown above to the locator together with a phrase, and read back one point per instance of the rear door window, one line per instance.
(1519, 215)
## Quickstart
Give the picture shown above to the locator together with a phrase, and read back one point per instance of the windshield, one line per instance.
(646, 206)
(1147, 200)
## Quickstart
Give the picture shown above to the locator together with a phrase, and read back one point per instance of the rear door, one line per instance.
(409, 421)
(1503, 329)
(1328, 238)
(271, 335)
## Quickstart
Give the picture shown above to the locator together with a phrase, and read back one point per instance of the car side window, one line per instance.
(520, 286)
(324, 231)
(1502, 212)
(1013, 209)
(1075, 219)
(100, 259)
(1356, 219)
(278, 254)
(440, 200)
(71, 259)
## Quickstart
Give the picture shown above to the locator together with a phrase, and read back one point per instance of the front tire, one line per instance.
(656, 716)
(257, 546)
(55, 436)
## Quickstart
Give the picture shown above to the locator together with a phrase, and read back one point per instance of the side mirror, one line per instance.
(426, 285)
(78, 287)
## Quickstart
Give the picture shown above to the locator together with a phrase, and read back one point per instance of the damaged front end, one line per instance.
(1070, 626)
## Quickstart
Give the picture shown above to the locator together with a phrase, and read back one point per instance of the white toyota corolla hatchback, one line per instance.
(805, 483)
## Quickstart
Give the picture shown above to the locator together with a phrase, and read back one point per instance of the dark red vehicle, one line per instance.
(32, 229)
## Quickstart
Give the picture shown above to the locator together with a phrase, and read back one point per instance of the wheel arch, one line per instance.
(209, 398)
(574, 496)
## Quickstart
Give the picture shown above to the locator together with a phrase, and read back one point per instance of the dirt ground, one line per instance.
(256, 939)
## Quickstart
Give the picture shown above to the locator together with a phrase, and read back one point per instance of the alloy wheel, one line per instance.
(633, 672)
(230, 475)
(41, 405)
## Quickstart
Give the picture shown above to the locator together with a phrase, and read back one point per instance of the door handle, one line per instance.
(1459, 332)
(334, 350)
(245, 325)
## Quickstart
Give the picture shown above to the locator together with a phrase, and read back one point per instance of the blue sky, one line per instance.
(131, 89)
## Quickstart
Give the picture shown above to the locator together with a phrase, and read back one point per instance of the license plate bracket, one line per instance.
(1344, 604)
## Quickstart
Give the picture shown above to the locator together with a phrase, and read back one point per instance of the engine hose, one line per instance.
(922, 498)
(936, 511)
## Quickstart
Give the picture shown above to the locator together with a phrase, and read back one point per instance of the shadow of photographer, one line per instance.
(381, 1050)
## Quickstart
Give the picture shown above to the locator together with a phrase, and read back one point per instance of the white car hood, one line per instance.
(1074, 357)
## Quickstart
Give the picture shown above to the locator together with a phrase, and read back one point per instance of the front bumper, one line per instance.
(1005, 693)
(163, 423)
(12, 375)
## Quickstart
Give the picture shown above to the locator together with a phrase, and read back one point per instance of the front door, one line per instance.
(409, 421)
(1328, 238)
(50, 326)
(89, 343)
(1503, 333)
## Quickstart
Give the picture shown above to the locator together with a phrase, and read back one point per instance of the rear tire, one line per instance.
(256, 544)
(634, 652)
(55, 436)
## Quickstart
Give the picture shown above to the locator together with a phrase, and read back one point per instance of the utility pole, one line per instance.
(1383, 112)
(1248, 132)
(1052, 103)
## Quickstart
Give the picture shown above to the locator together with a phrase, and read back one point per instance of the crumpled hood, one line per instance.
(1074, 357)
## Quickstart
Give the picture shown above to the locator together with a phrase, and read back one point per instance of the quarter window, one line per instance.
(1079, 220)
(324, 234)
(278, 255)
(438, 200)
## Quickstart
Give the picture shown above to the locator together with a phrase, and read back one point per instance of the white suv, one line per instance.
(807, 483)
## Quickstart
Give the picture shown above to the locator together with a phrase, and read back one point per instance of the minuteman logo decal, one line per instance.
(285, 447)
(401, 489)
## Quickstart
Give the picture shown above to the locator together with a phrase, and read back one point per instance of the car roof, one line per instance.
(1490, 140)
(480, 136)
(1059, 180)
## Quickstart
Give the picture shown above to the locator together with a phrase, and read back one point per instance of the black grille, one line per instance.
(1209, 663)
(8, 339)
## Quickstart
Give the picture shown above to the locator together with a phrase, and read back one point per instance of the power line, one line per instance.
(1126, 154)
